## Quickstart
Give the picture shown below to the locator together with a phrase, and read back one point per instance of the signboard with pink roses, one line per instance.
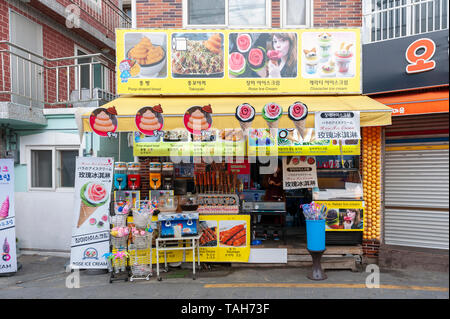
(241, 61)
(8, 260)
(90, 231)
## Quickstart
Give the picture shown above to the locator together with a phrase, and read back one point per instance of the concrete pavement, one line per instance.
(45, 277)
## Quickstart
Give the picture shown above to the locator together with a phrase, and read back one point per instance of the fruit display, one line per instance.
(371, 174)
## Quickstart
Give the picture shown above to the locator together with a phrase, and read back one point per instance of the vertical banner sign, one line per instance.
(8, 260)
(337, 125)
(299, 172)
(90, 231)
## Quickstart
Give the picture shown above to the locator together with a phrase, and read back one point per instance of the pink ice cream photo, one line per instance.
(4, 210)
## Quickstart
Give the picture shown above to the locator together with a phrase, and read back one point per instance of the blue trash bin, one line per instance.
(315, 235)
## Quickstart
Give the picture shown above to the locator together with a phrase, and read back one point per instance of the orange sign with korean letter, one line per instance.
(420, 60)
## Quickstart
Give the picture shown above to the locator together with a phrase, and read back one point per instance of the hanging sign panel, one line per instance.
(90, 231)
(299, 172)
(8, 260)
(291, 61)
(337, 125)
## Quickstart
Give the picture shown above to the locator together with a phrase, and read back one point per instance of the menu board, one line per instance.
(344, 215)
(225, 238)
(291, 61)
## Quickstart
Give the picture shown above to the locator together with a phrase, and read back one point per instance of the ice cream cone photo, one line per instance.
(297, 113)
(245, 114)
(93, 195)
(272, 113)
(85, 213)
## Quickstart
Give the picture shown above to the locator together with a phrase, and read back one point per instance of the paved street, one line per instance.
(45, 277)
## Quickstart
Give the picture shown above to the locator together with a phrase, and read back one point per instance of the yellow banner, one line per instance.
(225, 238)
(286, 61)
(287, 143)
(344, 215)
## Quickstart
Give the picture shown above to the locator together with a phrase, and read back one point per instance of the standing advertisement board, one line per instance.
(90, 231)
(291, 61)
(8, 260)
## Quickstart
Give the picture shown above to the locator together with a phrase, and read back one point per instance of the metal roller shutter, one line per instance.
(416, 181)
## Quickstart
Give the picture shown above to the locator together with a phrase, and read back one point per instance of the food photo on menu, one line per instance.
(328, 54)
(197, 55)
(145, 55)
(262, 55)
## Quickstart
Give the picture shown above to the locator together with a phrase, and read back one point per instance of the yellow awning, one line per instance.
(373, 113)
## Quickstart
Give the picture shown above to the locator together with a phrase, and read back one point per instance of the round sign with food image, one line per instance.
(149, 119)
(198, 119)
(103, 121)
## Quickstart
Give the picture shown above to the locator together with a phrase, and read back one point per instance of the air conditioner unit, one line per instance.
(99, 97)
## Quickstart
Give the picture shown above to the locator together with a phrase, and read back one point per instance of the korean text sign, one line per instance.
(8, 260)
(337, 125)
(90, 230)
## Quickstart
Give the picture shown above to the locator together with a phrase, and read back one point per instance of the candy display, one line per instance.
(297, 113)
(314, 211)
(371, 174)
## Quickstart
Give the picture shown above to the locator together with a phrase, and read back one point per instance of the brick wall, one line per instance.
(55, 45)
(159, 13)
(276, 14)
(337, 13)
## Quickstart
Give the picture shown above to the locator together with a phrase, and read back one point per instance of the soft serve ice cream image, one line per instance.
(198, 119)
(311, 60)
(343, 57)
(149, 119)
(93, 195)
(103, 121)
(325, 41)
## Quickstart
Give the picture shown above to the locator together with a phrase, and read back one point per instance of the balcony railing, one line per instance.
(105, 13)
(390, 19)
(30, 79)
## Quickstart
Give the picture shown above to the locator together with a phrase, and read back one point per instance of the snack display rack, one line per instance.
(118, 258)
(141, 260)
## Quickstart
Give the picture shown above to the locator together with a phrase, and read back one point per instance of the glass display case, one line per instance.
(338, 184)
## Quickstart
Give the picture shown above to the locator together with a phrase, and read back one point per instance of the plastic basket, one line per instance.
(141, 220)
(119, 242)
(141, 270)
(141, 242)
(119, 220)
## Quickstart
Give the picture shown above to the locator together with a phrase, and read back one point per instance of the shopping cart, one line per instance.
(141, 260)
